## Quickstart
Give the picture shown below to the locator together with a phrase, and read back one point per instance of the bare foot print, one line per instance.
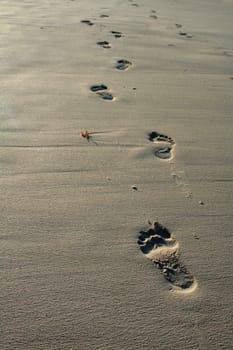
(99, 87)
(105, 44)
(87, 21)
(163, 145)
(106, 95)
(153, 14)
(186, 35)
(116, 34)
(123, 64)
(102, 91)
(158, 244)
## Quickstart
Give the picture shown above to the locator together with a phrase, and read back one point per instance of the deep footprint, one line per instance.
(123, 64)
(164, 144)
(159, 241)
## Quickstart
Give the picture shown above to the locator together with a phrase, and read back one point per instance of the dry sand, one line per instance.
(73, 273)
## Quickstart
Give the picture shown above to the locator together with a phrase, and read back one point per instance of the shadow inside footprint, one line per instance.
(123, 64)
(161, 230)
(146, 234)
(152, 243)
(166, 260)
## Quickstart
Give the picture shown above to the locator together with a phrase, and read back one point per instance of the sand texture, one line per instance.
(116, 174)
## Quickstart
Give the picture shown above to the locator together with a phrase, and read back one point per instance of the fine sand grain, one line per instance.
(116, 174)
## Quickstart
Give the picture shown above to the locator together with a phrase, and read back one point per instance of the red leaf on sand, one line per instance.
(85, 134)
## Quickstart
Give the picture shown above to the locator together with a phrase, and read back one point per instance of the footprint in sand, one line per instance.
(102, 91)
(87, 21)
(186, 35)
(123, 64)
(158, 244)
(163, 145)
(154, 16)
(105, 44)
(116, 34)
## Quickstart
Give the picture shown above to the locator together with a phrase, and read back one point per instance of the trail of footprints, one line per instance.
(122, 64)
(156, 243)
(101, 89)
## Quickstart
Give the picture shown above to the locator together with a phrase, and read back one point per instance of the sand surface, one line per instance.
(73, 274)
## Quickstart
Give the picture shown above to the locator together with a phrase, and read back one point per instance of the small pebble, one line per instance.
(201, 202)
(134, 188)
